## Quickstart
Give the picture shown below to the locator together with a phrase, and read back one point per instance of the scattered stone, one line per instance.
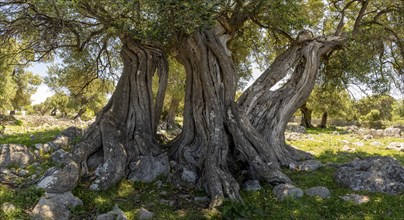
(293, 136)
(201, 199)
(376, 143)
(8, 207)
(392, 132)
(59, 155)
(319, 191)
(148, 168)
(347, 148)
(296, 128)
(335, 133)
(283, 191)
(60, 180)
(55, 206)
(15, 154)
(145, 214)
(23, 172)
(352, 129)
(163, 193)
(359, 144)
(309, 165)
(376, 132)
(115, 214)
(355, 198)
(38, 146)
(368, 137)
(373, 174)
(252, 185)
(399, 146)
(189, 176)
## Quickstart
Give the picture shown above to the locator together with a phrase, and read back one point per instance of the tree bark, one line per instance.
(269, 110)
(324, 118)
(306, 116)
(218, 141)
(125, 128)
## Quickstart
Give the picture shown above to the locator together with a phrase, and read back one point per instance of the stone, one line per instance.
(145, 214)
(60, 180)
(392, 132)
(148, 168)
(55, 206)
(309, 165)
(355, 198)
(293, 136)
(347, 148)
(319, 191)
(115, 214)
(15, 154)
(72, 132)
(368, 137)
(398, 146)
(283, 191)
(8, 207)
(296, 128)
(252, 185)
(23, 172)
(38, 146)
(376, 144)
(59, 155)
(335, 133)
(373, 174)
(359, 144)
(352, 129)
(376, 132)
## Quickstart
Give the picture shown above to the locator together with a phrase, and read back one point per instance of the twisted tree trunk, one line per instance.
(218, 141)
(125, 128)
(269, 110)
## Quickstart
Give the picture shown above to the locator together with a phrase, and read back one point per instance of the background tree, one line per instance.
(26, 85)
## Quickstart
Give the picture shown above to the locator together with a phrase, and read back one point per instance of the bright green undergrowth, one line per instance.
(130, 197)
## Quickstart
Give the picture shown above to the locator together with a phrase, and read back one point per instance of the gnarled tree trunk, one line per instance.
(125, 128)
(218, 141)
(269, 110)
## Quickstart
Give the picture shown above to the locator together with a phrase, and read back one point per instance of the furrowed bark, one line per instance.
(270, 109)
(125, 128)
(217, 141)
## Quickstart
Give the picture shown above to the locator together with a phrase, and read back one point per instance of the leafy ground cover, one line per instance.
(168, 202)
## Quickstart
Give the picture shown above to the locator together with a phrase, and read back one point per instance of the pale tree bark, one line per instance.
(218, 141)
(269, 110)
(125, 128)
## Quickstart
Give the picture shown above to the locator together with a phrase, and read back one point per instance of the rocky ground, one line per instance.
(368, 164)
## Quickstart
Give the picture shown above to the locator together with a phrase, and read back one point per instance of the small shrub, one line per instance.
(18, 122)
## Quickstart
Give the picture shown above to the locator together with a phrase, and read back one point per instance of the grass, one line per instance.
(130, 197)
